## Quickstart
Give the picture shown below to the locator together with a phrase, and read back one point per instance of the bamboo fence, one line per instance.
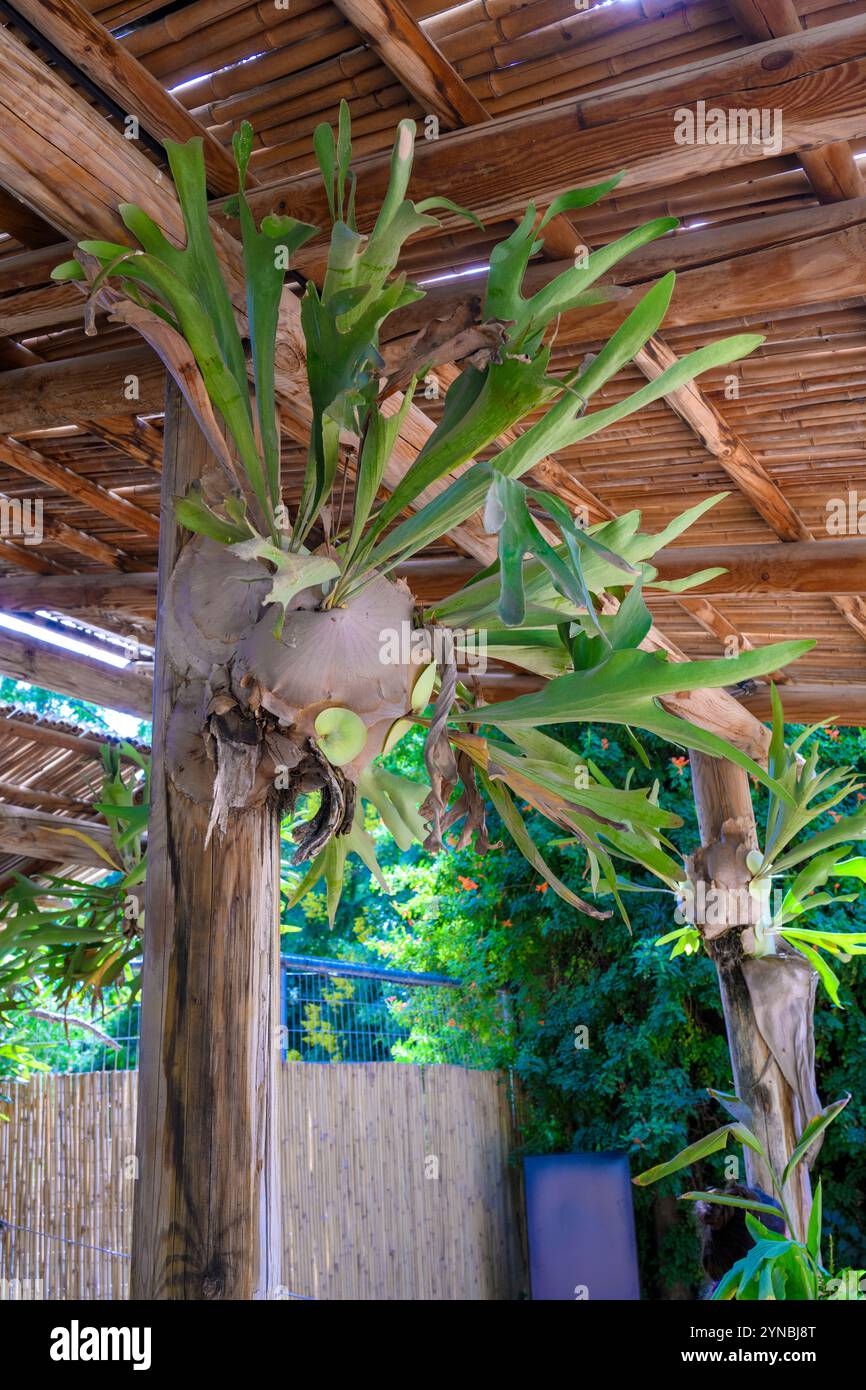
(396, 1184)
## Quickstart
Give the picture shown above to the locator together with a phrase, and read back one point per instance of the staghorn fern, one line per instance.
(281, 644)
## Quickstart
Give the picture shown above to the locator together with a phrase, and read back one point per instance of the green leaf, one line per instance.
(829, 978)
(68, 270)
(624, 687)
(514, 824)
(816, 1126)
(193, 512)
(721, 1199)
(326, 158)
(813, 1235)
(294, 572)
(267, 253)
(702, 1148)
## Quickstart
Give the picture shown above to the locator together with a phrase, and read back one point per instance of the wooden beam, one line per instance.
(69, 673)
(207, 1222)
(32, 731)
(127, 381)
(717, 246)
(807, 702)
(831, 169)
(717, 437)
(821, 568)
(820, 270)
(28, 269)
(816, 79)
(42, 310)
(824, 567)
(18, 221)
(132, 594)
(33, 798)
(389, 29)
(811, 256)
(39, 835)
(73, 30)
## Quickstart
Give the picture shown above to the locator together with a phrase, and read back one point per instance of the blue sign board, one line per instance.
(580, 1225)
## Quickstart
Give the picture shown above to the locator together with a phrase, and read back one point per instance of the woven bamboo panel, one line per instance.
(66, 1184)
(396, 1184)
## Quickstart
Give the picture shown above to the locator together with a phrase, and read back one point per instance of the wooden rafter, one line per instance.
(56, 475)
(390, 30)
(68, 673)
(41, 835)
(708, 424)
(86, 43)
(816, 79)
(831, 168)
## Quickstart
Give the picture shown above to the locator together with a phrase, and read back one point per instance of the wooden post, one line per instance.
(767, 1002)
(207, 1215)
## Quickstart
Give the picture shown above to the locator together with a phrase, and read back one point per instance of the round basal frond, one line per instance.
(355, 657)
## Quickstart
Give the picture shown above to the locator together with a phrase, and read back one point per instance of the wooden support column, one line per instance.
(207, 1215)
(767, 1002)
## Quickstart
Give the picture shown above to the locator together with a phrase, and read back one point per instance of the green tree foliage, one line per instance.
(654, 1038)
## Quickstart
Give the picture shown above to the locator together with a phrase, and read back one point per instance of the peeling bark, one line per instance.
(207, 1212)
(768, 1001)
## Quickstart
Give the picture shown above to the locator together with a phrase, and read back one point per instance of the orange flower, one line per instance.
(541, 887)
(468, 884)
(604, 743)
(679, 764)
(833, 733)
(508, 922)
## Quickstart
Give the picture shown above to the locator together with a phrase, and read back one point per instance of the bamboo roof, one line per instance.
(544, 95)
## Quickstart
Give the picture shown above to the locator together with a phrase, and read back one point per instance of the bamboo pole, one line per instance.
(305, 23)
(196, 18)
(279, 63)
(357, 66)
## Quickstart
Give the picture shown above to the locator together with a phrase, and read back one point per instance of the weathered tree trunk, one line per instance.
(768, 1001)
(207, 1218)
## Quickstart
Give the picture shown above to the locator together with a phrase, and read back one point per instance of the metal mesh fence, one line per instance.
(330, 1011)
(338, 1012)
